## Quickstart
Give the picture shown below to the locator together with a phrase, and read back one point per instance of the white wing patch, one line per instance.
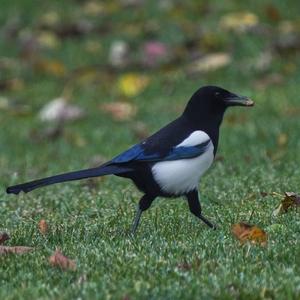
(181, 176)
(195, 138)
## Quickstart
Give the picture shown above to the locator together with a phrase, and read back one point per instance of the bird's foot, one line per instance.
(136, 221)
(208, 223)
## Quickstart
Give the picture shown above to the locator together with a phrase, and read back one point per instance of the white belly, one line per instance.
(181, 176)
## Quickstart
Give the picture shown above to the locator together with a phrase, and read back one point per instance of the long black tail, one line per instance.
(94, 172)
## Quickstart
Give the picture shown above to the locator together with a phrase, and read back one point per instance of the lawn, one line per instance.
(61, 49)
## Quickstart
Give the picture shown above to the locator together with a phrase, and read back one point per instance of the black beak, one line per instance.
(235, 100)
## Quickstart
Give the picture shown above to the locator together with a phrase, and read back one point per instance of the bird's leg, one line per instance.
(144, 204)
(195, 208)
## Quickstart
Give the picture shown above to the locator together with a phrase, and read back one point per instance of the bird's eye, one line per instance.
(217, 94)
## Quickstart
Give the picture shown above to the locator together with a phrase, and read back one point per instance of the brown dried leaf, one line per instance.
(120, 111)
(15, 250)
(249, 233)
(3, 237)
(264, 194)
(184, 266)
(51, 67)
(290, 200)
(272, 12)
(43, 227)
(61, 261)
(14, 84)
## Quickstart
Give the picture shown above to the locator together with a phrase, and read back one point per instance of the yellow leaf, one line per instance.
(239, 21)
(210, 62)
(132, 84)
(48, 39)
(249, 233)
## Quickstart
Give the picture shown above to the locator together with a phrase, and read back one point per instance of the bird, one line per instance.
(170, 162)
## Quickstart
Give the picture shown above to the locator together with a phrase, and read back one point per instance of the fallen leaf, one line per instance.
(43, 227)
(93, 8)
(290, 200)
(15, 249)
(282, 139)
(272, 12)
(120, 111)
(60, 110)
(93, 47)
(61, 261)
(210, 62)
(264, 194)
(184, 266)
(239, 21)
(50, 18)
(3, 237)
(132, 84)
(249, 233)
(14, 84)
(48, 39)
(51, 67)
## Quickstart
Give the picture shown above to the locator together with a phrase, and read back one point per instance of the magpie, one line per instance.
(170, 162)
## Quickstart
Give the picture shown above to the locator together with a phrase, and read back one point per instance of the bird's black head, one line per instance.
(210, 102)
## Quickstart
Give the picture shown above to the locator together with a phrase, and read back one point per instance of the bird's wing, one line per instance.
(140, 153)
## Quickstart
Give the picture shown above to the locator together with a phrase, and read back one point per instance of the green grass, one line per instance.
(92, 225)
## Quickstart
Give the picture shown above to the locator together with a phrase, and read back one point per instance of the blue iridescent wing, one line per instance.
(140, 154)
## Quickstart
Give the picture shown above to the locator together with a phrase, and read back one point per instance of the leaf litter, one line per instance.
(290, 200)
(57, 259)
(11, 249)
(249, 233)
